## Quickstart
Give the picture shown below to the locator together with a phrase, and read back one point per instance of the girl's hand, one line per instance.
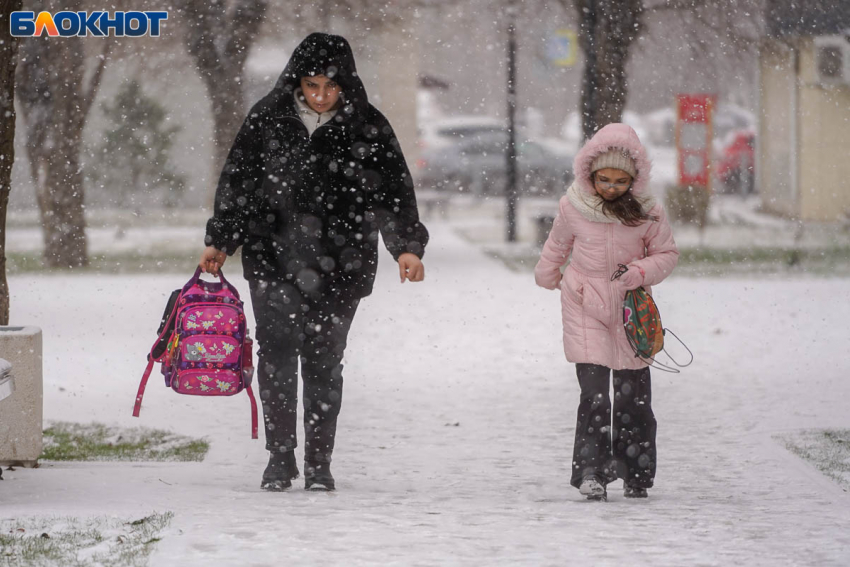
(410, 267)
(631, 279)
(212, 259)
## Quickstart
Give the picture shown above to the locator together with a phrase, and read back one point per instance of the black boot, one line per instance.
(630, 491)
(317, 476)
(280, 471)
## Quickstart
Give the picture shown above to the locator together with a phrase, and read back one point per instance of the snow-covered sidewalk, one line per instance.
(456, 432)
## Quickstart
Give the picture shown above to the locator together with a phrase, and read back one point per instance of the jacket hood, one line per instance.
(620, 136)
(329, 55)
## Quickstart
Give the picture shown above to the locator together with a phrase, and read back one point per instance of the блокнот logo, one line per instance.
(98, 24)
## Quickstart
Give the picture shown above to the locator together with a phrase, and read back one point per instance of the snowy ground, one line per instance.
(456, 432)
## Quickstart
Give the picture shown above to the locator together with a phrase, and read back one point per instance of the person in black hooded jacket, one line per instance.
(314, 174)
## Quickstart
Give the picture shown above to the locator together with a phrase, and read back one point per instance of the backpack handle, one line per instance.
(194, 279)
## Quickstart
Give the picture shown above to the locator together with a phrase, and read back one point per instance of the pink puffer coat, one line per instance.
(591, 304)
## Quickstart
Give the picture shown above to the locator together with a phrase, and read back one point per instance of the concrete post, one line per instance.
(21, 414)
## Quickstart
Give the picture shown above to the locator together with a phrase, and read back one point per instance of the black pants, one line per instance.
(314, 329)
(631, 427)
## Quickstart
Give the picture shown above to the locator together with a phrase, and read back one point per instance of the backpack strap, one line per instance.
(159, 350)
(138, 405)
(253, 411)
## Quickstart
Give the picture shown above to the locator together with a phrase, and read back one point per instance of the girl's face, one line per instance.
(611, 183)
(320, 92)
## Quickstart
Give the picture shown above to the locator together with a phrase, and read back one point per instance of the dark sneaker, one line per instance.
(593, 489)
(317, 476)
(634, 492)
(276, 485)
(280, 471)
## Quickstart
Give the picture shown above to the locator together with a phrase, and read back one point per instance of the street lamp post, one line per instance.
(510, 154)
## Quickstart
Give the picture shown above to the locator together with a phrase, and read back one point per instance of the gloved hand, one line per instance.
(631, 279)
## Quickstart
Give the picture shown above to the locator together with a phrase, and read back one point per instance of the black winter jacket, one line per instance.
(308, 208)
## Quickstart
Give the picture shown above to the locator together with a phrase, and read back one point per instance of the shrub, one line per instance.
(687, 204)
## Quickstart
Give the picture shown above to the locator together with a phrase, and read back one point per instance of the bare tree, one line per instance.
(219, 36)
(370, 14)
(606, 33)
(734, 25)
(8, 48)
(609, 28)
(55, 100)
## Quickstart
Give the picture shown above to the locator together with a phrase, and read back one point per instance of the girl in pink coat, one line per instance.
(608, 218)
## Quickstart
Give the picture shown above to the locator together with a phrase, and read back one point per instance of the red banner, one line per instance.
(693, 138)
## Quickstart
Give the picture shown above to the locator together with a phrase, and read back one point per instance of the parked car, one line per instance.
(477, 165)
(728, 118)
(456, 129)
(735, 164)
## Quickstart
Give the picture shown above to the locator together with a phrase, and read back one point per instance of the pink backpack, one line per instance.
(203, 344)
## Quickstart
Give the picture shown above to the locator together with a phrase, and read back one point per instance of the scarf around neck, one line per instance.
(590, 206)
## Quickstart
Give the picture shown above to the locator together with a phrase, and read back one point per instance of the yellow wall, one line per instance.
(824, 143)
(774, 165)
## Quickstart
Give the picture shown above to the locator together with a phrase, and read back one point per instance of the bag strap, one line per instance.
(658, 365)
(138, 405)
(168, 323)
(681, 342)
(168, 328)
(195, 278)
(253, 411)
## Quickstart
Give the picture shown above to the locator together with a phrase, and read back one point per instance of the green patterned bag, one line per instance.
(643, 323)
(644, 330)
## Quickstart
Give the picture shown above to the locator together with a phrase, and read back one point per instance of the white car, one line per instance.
(449, 131)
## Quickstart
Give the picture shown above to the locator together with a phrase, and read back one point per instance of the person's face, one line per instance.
(320, 92)
(611, 183)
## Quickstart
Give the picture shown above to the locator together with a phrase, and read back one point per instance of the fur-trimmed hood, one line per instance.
(615, 135)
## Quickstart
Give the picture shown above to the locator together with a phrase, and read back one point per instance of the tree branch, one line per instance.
(246, 14)
(200, 34)
(725, 31)
(90, 92)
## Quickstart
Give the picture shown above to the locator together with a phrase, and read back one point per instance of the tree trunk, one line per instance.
(8, 48)
(219, 41)
(228, 113)
(55, 103)
(606, 33)
(50, 79)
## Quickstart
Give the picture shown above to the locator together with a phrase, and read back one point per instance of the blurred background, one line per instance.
(119, 141)
(110, 152)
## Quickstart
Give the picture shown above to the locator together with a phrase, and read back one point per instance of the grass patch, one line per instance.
(818, 260)
(114, 263)
(718, 262)
(72, 542)
(828, 450)
(96, 442)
